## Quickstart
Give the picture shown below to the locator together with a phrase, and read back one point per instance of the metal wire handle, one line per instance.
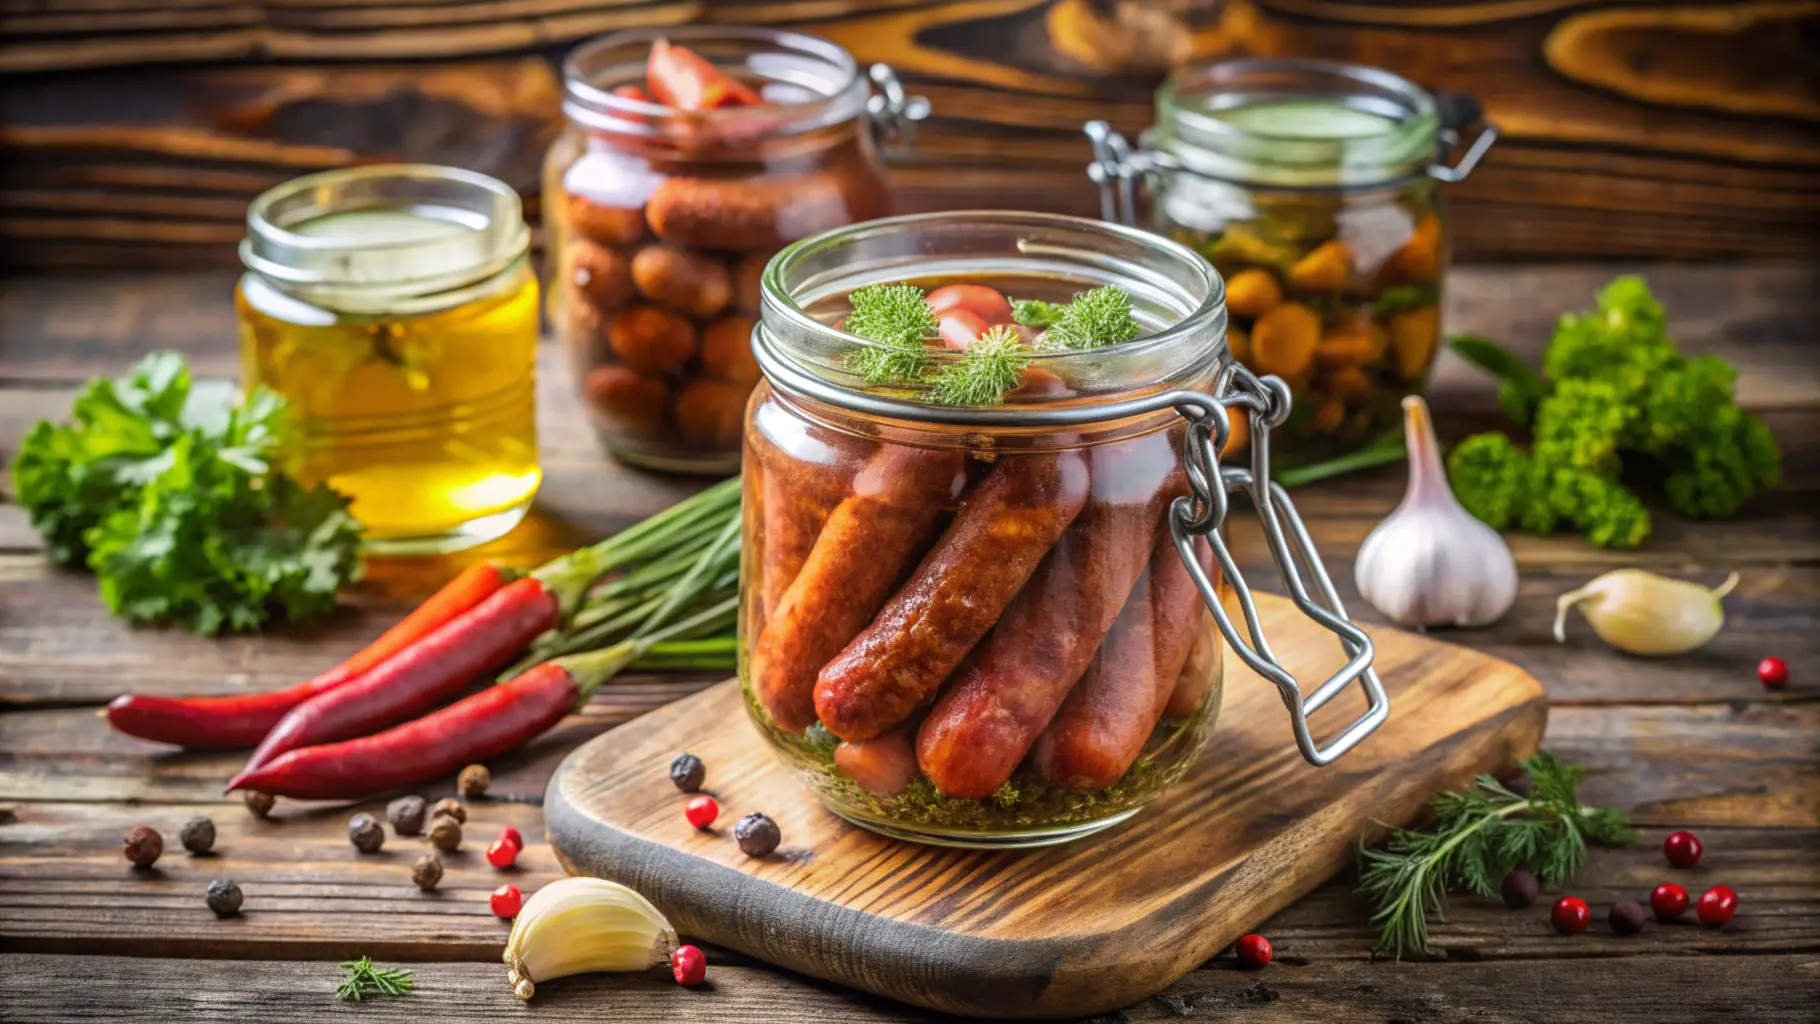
(893, 112)
(1201, 515)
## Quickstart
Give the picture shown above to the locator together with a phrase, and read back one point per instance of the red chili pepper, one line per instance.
(483, 639)
(228, 723)
(680, 78)
(473, 729)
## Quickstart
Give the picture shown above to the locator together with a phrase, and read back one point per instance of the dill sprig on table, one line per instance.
(992, 365)
(364, 979)
(1477, 837)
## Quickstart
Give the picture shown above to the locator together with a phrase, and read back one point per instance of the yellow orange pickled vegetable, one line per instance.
(1413, 334)
(1418, 260)
(1252, 293)
(1241, 431)
(1326, 269)
(1348, 382)
(1350, 344)
(1240, 344)
(1329, 415)
(1283, 341)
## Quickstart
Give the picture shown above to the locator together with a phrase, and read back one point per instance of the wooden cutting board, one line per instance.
(1063, 931)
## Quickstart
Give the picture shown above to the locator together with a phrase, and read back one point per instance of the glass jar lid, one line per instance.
(385, 238)
(1297, 123)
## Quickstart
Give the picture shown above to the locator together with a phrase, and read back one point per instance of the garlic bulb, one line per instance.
(1640, 612)
(1430, 563)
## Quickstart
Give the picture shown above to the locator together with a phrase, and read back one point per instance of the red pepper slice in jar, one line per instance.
(681, 78)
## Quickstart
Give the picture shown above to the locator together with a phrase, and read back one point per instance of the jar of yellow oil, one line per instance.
(395, 307)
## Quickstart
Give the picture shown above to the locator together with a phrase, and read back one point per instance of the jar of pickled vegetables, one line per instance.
(395, 308)
(690, 157)
(1315, 189)
(983, 586)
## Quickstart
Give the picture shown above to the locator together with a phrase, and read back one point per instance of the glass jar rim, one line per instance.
(1217, 147)
(392, 268)
(590, 73)
(801, 354)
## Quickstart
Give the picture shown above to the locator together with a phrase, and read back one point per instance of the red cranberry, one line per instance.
(688, 965)
(701, 811)
(1716, 906)
(1570, 915)
(1626, 918)
(1254, 951)
(505, 901)
(513, 836)
(1669, 901)
(1772, 673)
(501, 853)
(1682, 849)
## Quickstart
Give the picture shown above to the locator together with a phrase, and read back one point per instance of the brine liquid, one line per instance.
(427, 421)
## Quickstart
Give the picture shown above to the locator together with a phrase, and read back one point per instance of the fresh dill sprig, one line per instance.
(364, 980)
(992, 365)
(1093, 320)
(1035, 312)
(1478, 836)
(897, 317)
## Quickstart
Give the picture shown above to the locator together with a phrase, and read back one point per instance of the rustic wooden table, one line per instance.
(1687, 742)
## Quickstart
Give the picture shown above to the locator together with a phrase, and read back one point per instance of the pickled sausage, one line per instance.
(1004, 528)
(1111, 711)
(867, 545)
(1182, 622)
(1012, 686)
(883, 765)
(808, 472)
(762, 213)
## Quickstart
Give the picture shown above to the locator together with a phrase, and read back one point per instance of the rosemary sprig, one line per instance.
(364, 980)
(992, 365)
(1478, 836)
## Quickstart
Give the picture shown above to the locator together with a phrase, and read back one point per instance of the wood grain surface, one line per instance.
(138, 131)
(1688, 742)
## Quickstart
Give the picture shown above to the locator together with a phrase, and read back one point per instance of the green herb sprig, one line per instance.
(1094, 319)
(1478, 836)
(364, 979)
(992, 365)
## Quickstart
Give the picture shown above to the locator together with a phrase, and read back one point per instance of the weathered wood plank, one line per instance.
(1669, 990)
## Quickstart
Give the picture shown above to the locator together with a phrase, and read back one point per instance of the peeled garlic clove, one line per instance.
(577, 925)
(1430, 563)
(1639, 612)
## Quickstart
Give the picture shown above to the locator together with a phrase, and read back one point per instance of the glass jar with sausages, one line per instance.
(1315, 189)
(984, 588)
(689, 157)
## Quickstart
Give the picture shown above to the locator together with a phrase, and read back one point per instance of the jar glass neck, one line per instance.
(1297, 124)
(1177, 298)
(808, 83)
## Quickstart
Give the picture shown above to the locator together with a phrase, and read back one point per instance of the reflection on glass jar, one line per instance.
(976, 625)
(1313, 188)
(395, 307)
(662, 219)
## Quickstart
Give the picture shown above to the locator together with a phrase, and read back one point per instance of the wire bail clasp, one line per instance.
(1115, 169)
(1267, 400)
(893, 112)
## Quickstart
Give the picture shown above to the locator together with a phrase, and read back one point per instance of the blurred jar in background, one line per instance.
(395, 307)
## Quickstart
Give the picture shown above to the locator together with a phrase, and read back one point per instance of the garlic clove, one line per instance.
(1639, 612)
(1430, 563)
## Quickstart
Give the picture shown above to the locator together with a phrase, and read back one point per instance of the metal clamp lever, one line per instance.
(893, 112)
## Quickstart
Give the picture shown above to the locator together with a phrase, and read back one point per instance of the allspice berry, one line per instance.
(259, 803)
(757, 834)
(1520, 888)
(473, 781)
(224, 897)
(365, 832)
(1626, 918)
(198, 835)
(451, 807)
(445, 833)
(427, 871)
(687, 772)
(143, 846)
(407, 814)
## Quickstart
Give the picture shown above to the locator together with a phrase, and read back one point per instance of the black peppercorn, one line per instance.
(224, 897)
(445, 833)
(406, 815)
(757, 834)
(687, 771)
(427, 871)
(473, 781)
(1626, 918)
(143, 846)
(198, 835)
(365, 832)
(450, 807)
(259, 803)
(1520, 888)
